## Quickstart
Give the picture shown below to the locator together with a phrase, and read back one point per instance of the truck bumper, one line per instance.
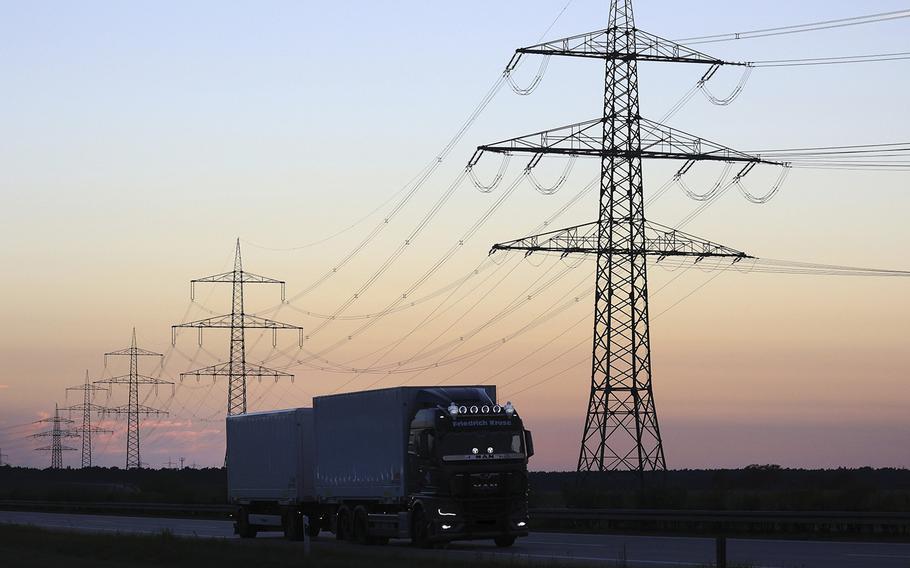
(447, 531)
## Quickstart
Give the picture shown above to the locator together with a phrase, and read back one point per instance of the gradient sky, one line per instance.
(141, 139)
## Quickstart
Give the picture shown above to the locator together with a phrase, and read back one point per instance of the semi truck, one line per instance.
(429, 464)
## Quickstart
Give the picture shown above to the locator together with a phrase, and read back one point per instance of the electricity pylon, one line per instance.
(621, 430)
(237, 369)
(87, 407)
(2, 455)
(56, 434)
(133, 409)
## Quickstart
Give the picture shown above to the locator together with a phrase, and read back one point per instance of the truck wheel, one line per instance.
(315, 526)
(361, 527)
(420, 530)
(293, 526)
(244, 529)
(504, 541)
(343, 524)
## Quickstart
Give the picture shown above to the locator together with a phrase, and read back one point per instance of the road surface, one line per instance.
(634, 551)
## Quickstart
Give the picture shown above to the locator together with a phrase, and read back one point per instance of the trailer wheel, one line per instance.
(343, 524)
(504, 541)
(420, 530)
(244, 529)
(361, 526)
(293, 526)
(315, 526)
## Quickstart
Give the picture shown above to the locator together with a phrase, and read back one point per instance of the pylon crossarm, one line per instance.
(61, 433)
(140, 379)
(658, 141)
(224, 370)
(596, 45)
(140, 409)
(82, 407)
(130, 351)
(660, 241)
(245, 277)
(51, 448)
(249, 321)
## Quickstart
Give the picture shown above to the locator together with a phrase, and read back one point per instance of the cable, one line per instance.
(559, 181)
(798, 28)
(541, 71)
(846, 59)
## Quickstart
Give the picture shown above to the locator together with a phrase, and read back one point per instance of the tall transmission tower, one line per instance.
(621, 430)
(237, 369)
(2, 456)
(87, 431)
(60, 429)
(133, 409)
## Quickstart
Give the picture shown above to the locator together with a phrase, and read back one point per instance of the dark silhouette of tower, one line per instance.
(621, 430)
(59, 430)
(133, 409)
(87, 431)
(237, 369)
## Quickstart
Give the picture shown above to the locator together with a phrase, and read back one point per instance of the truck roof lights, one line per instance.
(510, 410)
(453, 409)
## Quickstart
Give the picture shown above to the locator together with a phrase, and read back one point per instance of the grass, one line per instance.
(32, 547)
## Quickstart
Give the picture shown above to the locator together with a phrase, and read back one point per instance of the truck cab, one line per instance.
(467, 473)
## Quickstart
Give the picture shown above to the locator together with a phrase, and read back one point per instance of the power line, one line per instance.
(839, 60)
(799, 28)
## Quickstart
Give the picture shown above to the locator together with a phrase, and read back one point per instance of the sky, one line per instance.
(142, 139)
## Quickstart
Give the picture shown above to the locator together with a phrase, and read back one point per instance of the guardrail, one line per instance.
(138, 509)
(693, 519)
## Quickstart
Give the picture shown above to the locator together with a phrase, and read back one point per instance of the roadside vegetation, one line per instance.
(29, 547)
(759, 487)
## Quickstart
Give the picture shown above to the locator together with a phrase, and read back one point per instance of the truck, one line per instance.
(429, 464)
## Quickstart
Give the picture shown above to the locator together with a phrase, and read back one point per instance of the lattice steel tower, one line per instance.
(87, 431)
(57, 434)
(237, 369)
(133, 409)
(621, 430)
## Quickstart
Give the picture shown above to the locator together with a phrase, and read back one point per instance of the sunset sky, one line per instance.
(141, 139)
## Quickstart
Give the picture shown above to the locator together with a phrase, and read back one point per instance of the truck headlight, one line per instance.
(522, 524)
(446, 527)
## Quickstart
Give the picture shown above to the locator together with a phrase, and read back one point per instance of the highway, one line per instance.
(636, 551)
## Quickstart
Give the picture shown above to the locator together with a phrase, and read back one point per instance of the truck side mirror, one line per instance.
(529, 443)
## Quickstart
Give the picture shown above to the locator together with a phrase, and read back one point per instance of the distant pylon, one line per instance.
(237, 369)
(56, 434)
(133, 409)
(87, 407)
(2, 455)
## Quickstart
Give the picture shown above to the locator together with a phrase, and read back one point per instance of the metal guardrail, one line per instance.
(116, 507)
(704, 516)
(692, 518)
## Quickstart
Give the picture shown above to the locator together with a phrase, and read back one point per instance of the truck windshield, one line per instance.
(480, 443)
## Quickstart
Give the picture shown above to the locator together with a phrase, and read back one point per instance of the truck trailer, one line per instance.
(430, 464)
